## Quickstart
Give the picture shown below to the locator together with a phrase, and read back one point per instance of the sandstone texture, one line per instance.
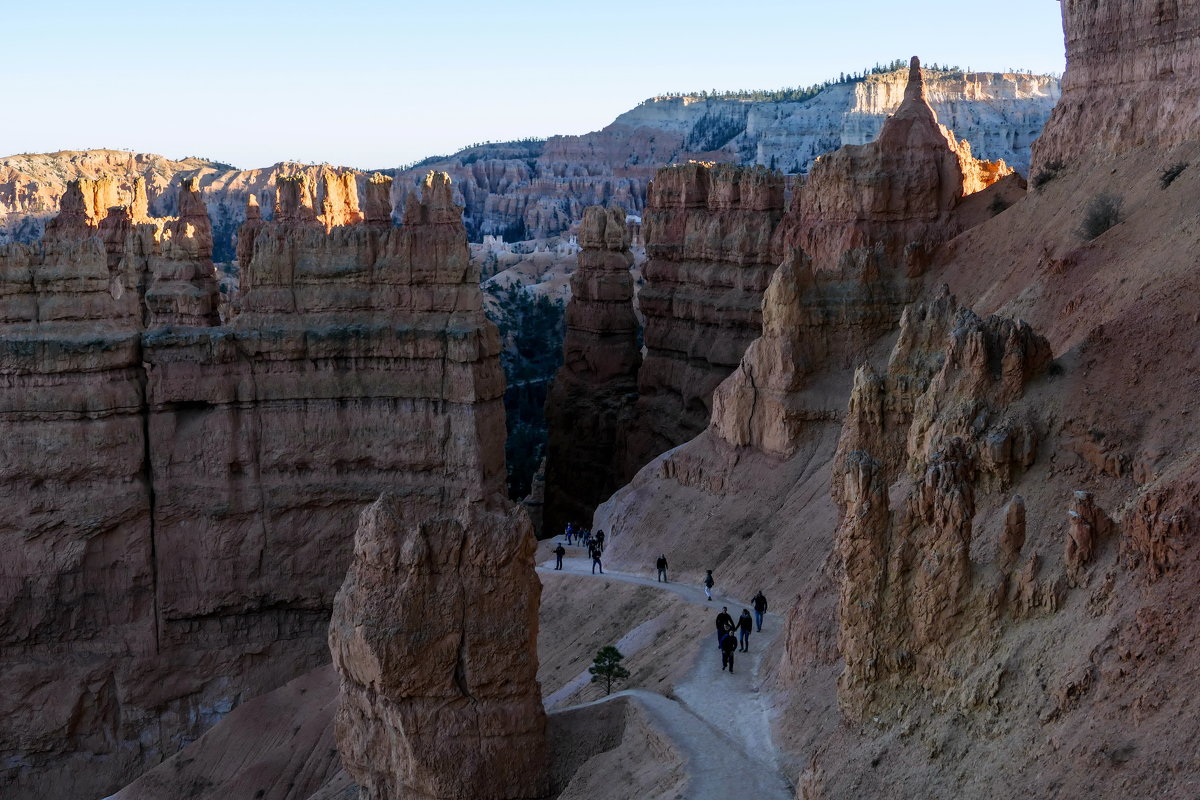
(182, 490)
(434, 635)
(708, 232)
(592, 399)
(1128, 82)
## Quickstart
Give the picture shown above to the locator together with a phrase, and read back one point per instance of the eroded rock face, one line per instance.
(859, 231)
(434, 635)
(594, 391)
(181, 491)
(708, 232)
(1127, 82)
(943, 425)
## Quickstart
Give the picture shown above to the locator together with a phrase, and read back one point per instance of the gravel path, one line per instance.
(719, 721)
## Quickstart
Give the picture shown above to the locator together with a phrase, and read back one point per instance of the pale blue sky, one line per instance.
(377, 84)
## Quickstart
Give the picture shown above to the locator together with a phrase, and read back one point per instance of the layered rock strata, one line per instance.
(181, 490)
(592, 399)
(434, 635)
(708, 232)
(1127, 83)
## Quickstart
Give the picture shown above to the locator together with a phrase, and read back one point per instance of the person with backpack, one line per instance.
(744, 626)
(662, 567)
(594, 551)
(600, 540)
(724, 625)
(708, 583)
(559, 552)
(728, 648)
(760, 608)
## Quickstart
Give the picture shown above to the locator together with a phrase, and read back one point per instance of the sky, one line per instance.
(379, 84)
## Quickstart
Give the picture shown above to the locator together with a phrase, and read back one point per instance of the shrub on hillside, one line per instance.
(1047, 173)
(1103, 212)
(1169, 174)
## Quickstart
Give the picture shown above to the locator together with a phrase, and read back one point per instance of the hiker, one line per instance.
(585, 536)
(594, 551)
(708, 583)
(600, 540)
(559, 552)
(745, 625)
(724, 624)
(570, 532)
(760, 608)
(662, 567)
(728, 647)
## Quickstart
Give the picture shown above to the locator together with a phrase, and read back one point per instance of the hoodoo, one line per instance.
(592, 398)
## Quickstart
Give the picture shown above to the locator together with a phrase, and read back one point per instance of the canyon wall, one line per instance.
(592, 399)
(708, 232)
(183, 490)
(1128, 80)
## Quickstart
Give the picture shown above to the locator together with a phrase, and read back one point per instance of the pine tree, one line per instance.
(607, 668)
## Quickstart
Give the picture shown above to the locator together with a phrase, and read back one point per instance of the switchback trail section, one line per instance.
(718, 721)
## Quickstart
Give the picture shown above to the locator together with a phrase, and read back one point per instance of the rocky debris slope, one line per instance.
(1128, 80)
(434, 635)
(591, 400)
(537, 189)
(180, 489)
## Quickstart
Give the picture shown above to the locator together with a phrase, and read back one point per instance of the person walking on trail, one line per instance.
(728, 648)
(725, 625)
(570, 532)
(745, 625)
(600, 540)
(760, 608)
(595, 552)
(708, 583)
(559, 552)
(662, 567)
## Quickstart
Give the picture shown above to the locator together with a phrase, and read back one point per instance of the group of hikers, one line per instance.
(593, 542)
(732, 636)
(727, 642)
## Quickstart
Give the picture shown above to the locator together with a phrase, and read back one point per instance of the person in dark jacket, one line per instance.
(724, 624)
(728, 648)
(662, 567)
(745, 625)
(595, 552)
(760, 608)
(559, 552)
(708, 583)
(600, 540)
